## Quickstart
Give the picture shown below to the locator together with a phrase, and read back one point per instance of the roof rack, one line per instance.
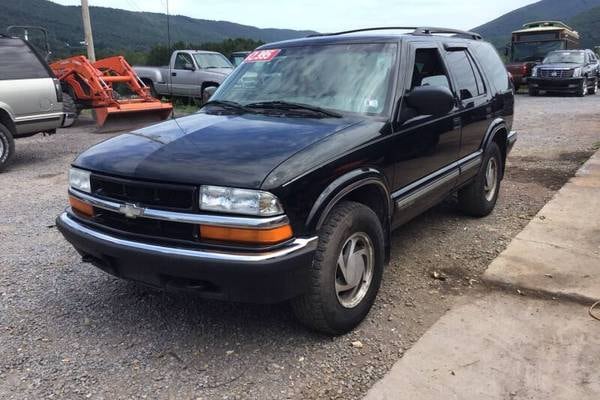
(416, 31)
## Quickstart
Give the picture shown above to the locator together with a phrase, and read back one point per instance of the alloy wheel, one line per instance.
(491, 179)
(354, 272)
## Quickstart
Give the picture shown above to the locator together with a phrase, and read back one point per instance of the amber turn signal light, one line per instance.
(81, 207)
(248, 236)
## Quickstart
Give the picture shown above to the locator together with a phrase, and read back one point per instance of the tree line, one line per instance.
(161, 54)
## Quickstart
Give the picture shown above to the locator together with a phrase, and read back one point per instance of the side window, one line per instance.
(467, 85)
(18, 61)
(493, 66)
(429, 69)
(181, 60)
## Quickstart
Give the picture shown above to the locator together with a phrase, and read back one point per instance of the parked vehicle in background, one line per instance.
(530, 45)
(571, 71)
(31, 99)
(287, 186)
(238, 57)
(189, 73)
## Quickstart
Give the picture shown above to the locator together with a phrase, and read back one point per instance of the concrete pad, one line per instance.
(558, 252)
(501, 347)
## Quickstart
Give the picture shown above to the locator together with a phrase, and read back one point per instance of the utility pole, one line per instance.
(87, 29)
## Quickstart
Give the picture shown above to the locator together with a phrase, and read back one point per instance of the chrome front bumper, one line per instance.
(259, 277)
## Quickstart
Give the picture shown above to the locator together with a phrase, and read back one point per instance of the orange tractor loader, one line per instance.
(110, 87)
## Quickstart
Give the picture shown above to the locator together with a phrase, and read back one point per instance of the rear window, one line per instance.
(18, 61)
(492, 65)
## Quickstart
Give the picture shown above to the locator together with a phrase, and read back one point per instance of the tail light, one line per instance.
(58, 89)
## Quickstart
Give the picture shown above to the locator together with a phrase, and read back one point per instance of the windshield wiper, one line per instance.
(289, 106)
(231, 105)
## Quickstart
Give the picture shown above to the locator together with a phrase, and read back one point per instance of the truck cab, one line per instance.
(189, 74)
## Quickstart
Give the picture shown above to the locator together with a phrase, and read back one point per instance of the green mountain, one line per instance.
(116, 30)
(573, 12)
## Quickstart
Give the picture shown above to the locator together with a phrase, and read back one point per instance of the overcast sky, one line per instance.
(328, 15)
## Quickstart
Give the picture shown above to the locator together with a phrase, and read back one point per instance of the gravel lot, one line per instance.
(67, 330)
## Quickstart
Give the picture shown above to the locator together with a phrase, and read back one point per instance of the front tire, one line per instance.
(583, 90)
(594, 89)
(7, 147)
(533, 92)
(479, 198)
(346, 271)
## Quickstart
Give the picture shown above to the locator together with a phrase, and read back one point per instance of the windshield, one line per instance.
(353, 78)
(237, 60)
(534, 51)
(209, 60)
(565, 57)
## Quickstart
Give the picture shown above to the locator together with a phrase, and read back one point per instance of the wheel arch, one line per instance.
(367, 186)
(7, 120)
(498, 132)
(206, 84)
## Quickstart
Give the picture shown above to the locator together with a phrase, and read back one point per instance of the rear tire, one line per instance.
(479, 198)
(346, 271)
(7, 147)
(70, 108)
(207, 92)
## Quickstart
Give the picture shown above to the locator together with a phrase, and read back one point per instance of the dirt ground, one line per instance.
(67, 330)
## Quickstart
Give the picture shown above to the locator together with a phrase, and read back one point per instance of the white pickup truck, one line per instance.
(189, 74)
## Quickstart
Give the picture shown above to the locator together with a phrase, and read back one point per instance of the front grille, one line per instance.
(160, 196)
(155, 195)
(555, 73)
(144, 227)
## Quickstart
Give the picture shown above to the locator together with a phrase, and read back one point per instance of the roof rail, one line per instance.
(415, 31)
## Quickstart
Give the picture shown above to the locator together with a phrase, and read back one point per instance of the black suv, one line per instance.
(572, 71)
(288, 183)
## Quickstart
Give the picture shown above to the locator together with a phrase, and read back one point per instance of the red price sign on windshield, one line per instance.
(262, 55)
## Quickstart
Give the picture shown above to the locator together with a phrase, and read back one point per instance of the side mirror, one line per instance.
(431, 100)
(188, 66)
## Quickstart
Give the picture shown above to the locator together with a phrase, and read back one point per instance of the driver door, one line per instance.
(183, 75)
(426, 148)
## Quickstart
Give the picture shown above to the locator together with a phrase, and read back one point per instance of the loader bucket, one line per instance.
(128, 116)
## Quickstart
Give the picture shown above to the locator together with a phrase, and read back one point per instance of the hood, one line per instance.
(560, 66)
(224, 150)
(220, 73)
(518, 66)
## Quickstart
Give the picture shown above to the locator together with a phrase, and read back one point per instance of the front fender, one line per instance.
(343, 186)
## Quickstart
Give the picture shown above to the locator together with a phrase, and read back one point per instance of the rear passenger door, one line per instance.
(27, 89)
(475, 111)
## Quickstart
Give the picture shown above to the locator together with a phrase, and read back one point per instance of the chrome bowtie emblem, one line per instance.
(131, 210)
(554, 73)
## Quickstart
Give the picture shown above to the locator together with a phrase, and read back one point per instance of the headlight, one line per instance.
(577, 72)
(239, 201)
(80, 180)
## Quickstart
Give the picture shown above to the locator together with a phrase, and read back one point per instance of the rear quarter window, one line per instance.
(18, 61)
(492, 65)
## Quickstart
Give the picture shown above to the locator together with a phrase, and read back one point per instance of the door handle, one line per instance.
(173, 73)
(457, 122)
